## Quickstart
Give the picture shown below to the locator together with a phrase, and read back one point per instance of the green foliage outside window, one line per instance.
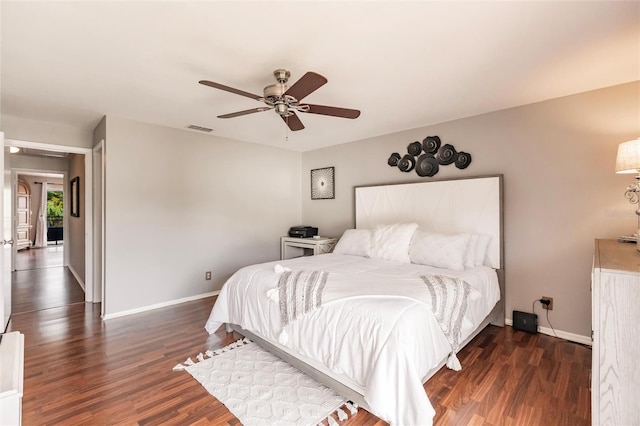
(55, 206)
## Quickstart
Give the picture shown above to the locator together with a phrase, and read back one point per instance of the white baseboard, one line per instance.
(75, 274)
(578, 338)
(159, 305)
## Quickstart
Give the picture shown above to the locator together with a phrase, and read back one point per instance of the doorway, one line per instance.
(40, 209)
(53, 272)
(41, 278)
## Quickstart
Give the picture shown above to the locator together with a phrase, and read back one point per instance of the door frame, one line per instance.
(88, 204)
(99, 193)
(6, 219)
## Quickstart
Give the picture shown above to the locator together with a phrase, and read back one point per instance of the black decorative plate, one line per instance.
(407, 163)
(393, 160)
(463, 160)
(427, 165)
(446, 154)
(414, 148)
(431, 144)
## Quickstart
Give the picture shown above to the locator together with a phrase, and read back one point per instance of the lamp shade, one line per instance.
(628, 159)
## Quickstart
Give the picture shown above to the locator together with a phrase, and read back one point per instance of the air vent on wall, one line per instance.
(199, 128)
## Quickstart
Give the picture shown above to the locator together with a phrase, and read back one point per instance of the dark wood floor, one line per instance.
(80, 370)
(42, 282)
(515, 378)
(36, 258)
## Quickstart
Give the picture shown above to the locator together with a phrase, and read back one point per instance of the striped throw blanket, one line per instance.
(300, 292)
(449, 304)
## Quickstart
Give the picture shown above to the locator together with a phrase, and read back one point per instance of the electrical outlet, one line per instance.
(550, 299)
(207, 275)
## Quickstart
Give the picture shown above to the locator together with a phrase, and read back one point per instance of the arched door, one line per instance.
(23, 215)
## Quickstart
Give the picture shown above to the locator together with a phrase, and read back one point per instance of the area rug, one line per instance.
(261, 389)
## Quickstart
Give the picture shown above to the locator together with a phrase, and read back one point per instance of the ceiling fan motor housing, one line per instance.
(274, 92)
(274, 95)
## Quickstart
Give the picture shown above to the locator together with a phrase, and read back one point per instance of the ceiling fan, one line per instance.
(285, 100)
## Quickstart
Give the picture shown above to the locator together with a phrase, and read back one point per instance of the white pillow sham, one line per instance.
(470, 256)
(481, 249)
(477, 250)
(440, 250)
(392, 242)
(356, 242)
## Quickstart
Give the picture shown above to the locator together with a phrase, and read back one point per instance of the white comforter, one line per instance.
(383, 344)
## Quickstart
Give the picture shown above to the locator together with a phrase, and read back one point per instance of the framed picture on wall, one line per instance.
(75, 197)
(322, 184)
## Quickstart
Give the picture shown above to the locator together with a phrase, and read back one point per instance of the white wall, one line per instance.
(48, 164)
(25, 129)
(74, 235)
(561, 191)
(179, 203)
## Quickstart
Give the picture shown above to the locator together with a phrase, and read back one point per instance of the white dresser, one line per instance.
(615, 382)
(11, 378)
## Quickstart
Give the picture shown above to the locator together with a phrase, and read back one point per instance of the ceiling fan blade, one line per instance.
(310, 82)
(293, 122)
(230, 89)
(245, 112)
(333, 111)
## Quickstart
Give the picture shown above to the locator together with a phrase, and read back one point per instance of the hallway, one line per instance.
(41, 282)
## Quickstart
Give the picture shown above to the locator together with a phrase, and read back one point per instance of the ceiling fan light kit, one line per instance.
(285, 100)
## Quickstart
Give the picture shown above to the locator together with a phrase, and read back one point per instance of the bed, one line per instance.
(378, 333)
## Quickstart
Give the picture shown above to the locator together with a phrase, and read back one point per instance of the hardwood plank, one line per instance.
(44, 288)
(80, 370)
(41, 257)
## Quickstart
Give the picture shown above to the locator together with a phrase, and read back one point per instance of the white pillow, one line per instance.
(354, 241)
(481, 248)
(392, 242)
(440, 250)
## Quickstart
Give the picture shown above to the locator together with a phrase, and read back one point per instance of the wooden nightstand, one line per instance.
(318, 245)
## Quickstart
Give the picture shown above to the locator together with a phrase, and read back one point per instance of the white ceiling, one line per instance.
(403, 64)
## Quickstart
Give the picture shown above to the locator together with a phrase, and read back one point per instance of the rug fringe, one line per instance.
(209, 353)
(341, 413)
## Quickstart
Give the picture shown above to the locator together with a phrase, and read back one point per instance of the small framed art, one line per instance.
(323, 184)
(75, 196)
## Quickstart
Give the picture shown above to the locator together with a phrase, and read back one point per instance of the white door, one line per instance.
(5, 237)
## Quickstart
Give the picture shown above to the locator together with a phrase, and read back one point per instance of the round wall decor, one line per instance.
(427, 157)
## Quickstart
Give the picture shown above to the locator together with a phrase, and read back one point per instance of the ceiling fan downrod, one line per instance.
(282, 75)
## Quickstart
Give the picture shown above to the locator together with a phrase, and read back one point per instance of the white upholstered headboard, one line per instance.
(447, 206)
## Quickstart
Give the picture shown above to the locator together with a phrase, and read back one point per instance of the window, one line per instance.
(55, 208)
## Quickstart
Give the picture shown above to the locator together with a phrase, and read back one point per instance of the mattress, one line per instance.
(372, 332)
